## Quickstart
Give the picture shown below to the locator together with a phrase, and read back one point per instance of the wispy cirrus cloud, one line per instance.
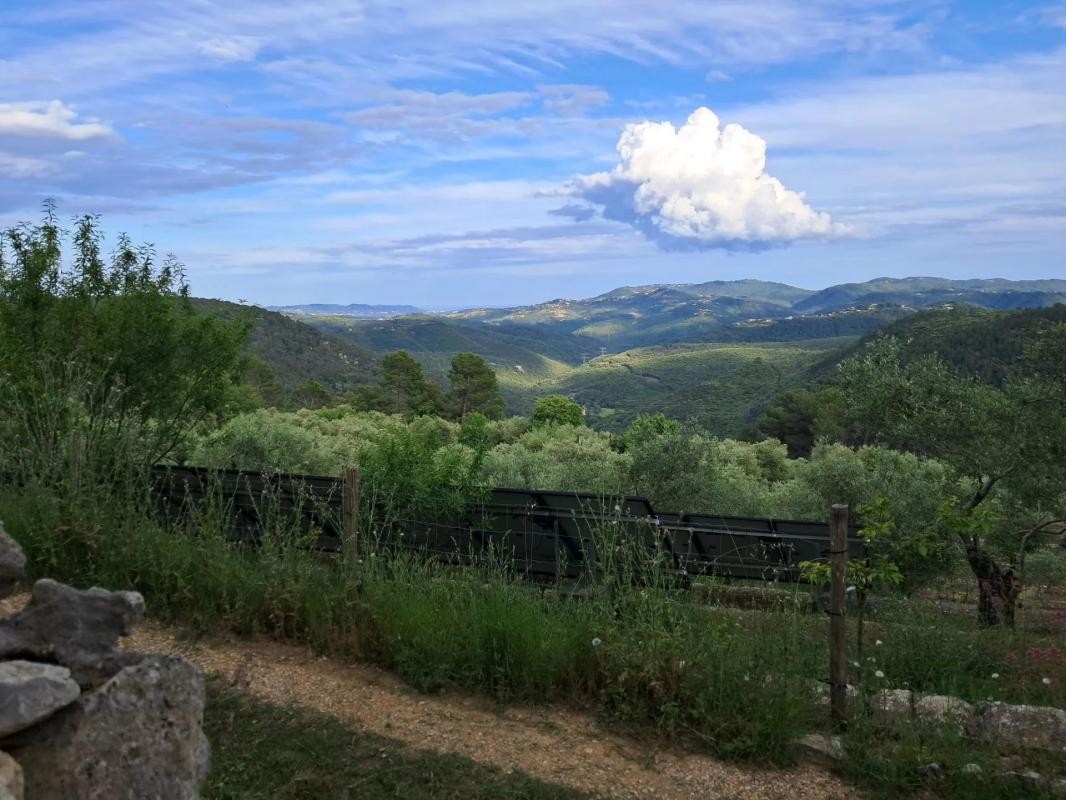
(127, 45)
(24, 167)
(231, 47)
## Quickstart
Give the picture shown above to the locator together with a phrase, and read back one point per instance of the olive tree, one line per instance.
(1007, 443)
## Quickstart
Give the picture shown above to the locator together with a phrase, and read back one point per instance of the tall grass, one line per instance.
(640, 654)
(635, 648)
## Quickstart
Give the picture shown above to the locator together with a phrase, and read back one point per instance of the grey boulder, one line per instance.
(823, 749)
(31, 692)
(76, 628)
(1019, 728)
(942, 710)
(138, 736)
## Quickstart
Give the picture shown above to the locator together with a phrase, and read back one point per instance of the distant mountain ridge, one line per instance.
(713, 353)
(635, 316)
(353, 310)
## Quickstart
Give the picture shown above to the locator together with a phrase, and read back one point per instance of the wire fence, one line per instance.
(546, 536)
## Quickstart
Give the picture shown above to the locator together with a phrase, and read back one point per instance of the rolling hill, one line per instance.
(720, 388)
(713, 353)
(639, 316)
(977, 341)
(295, 352)
(929, 292)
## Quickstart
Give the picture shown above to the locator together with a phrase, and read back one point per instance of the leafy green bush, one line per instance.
(557, 410)
(105, 363)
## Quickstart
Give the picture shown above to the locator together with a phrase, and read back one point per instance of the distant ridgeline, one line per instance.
(712, 354)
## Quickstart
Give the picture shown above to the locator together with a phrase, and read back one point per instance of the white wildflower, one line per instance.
(878, 643)
(879, 674)
(1046, 681)
(597, 642)
(995, 675)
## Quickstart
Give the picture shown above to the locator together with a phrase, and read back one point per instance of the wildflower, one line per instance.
(1046, 681)
(879, 674)
(597, 642)
(995, 675)
(681, 665)
(878, 643)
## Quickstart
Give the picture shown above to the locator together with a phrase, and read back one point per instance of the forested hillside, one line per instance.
(980, 344)
(720, 388)
(288, 354)
(716, 362)
(434, 341)
(978, 341)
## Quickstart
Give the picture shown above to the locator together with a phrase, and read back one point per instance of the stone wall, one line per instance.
(80, 718)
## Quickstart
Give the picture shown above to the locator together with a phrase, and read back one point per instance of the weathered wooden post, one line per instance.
(838, 647)
(350, 516)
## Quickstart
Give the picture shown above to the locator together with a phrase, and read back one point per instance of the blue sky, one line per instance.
(453, 154)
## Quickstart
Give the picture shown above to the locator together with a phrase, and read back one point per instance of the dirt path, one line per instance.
(550, 743)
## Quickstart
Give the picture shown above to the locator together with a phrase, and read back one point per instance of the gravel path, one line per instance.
(550, 743)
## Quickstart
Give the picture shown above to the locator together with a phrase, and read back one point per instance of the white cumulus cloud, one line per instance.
(52, 119)
(701, 186)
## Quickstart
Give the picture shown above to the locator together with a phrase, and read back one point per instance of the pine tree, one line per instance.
(474, 387)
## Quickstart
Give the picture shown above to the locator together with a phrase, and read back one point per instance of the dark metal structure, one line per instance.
(544, 536)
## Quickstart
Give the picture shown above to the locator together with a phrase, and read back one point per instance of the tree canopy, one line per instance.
(557, 410)
(1007, 442)
(474, 387)
(95, 350)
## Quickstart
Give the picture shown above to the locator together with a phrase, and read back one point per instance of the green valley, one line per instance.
(721, 388)
(714, 354)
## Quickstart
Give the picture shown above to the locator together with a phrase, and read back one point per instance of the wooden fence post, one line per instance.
(350, 516)
(838, 648)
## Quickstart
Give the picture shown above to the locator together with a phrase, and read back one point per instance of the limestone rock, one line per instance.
(943, 710)
(31, 692)
(12, 563)
(892, 706)
(75, 628)
(138, 736)
(1018, 728)
(818, 747)
(11, 785)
